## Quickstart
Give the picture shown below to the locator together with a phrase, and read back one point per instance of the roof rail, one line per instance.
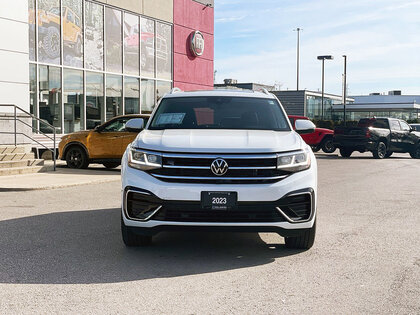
(175, 90)
(264, 90)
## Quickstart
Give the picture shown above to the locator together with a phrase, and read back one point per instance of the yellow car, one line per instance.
(105, 144)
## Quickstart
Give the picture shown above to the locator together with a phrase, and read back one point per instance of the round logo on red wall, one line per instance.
(197, 43)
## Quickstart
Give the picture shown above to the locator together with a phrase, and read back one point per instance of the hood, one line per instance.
(82, 132)
(324, 130)
(76, 134)
(218, 141)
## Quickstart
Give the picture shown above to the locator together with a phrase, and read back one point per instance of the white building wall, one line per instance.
(14, 54)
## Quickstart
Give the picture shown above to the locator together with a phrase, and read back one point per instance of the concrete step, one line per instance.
(6, 149)
(17, 156)
(25, 170)
(21, 163)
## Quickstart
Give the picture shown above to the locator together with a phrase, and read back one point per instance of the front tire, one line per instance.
(415, 154)
(131, 239)
(110, 164)
(388, 154)
(328, 145)
(380, 150)
(76, 158)
(304, 241)
(345, 152)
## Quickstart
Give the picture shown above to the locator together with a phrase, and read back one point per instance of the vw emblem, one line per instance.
(219, 167)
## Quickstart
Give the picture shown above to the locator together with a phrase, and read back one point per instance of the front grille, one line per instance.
(192, 212)
(196, 168)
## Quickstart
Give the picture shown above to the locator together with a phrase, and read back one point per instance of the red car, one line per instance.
(320, 139)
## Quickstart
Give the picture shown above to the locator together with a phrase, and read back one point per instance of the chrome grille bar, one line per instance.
(231, 168)
(220, 178)
(222, 156)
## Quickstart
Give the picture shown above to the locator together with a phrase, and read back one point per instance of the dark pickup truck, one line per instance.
(381, 136)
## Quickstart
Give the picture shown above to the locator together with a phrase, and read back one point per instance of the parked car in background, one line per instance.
(415, 127)
(105, 144)
(320, 139)
(381, 136)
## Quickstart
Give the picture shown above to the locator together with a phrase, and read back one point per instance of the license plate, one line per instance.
(218, 200)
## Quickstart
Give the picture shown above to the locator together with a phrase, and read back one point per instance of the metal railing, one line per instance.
(17, 119)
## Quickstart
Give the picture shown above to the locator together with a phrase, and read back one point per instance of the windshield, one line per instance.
(219, 113)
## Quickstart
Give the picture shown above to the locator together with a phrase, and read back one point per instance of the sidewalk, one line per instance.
(62, 177)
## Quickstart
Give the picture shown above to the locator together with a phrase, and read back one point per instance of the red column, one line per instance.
(193, 72)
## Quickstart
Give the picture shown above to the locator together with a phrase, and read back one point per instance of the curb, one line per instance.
(51, 187)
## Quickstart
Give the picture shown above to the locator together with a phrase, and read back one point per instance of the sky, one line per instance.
(255, 42)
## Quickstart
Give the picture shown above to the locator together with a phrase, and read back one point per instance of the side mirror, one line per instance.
(303, 126)
(135, 125)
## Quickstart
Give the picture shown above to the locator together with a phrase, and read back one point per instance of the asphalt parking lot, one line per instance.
(61, 252)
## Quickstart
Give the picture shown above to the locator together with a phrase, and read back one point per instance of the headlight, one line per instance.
(144, 160)
(294, 161)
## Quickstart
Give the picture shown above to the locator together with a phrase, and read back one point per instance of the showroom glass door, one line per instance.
(50, 98)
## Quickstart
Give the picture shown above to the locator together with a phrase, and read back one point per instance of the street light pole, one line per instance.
(323, 58)
(345, 88)
(322, 98)
(297, 56)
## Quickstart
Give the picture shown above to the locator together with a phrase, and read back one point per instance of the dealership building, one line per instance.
(393, 104)
(78, 63)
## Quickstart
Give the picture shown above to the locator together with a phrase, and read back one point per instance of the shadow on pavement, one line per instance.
(358, 157)
(86, 247)
(92, 167)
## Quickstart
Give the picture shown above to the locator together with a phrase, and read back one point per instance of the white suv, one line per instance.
(219, 160)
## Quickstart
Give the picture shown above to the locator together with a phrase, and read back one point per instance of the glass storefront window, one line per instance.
(32, 93)
(31, 25)
(73, 100)
(313, 107)
(113, 38)
(50, 97)
(113, 96)
(147, 60)
(94, 36)
(72, 20)
(131, 44)
(163, 51)
(94, 99)
(119, 54)
(49, 40)
(132, 95)
(162, 87)
(147, 96)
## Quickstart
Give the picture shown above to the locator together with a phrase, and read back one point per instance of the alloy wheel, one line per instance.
(76, 159)
(381, 150)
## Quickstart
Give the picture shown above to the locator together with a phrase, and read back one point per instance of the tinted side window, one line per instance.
(292, 122)
(117, 125)
(395, 125)
(380, 123)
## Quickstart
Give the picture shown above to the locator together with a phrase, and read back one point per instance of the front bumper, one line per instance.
(260, 199)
